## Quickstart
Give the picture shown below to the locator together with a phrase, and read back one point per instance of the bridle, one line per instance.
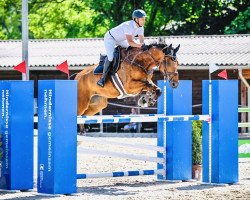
(169, 75)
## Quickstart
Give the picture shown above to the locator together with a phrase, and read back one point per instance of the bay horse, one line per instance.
(135, 74)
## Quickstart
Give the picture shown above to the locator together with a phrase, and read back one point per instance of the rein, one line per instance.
(133, 63)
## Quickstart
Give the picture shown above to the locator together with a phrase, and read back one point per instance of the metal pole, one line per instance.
(165, 130)
(101, 125)
(210, 131)
(25, 38)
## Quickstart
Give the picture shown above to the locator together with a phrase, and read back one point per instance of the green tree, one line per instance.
(196, 142)
(241, 24)
(10, 16)
(89, 18)
(63, 19)
(175, 17)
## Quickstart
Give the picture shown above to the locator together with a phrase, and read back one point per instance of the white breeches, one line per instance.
(110, 45)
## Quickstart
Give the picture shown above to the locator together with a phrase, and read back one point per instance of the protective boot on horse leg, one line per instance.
(106, 68)
(151, 96)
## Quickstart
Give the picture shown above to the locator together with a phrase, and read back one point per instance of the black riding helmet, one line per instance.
(138, 14)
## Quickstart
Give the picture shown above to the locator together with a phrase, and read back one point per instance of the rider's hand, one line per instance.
(129, 48)
(144, 47)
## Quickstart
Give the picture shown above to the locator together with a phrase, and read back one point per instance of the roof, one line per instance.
(196, 52)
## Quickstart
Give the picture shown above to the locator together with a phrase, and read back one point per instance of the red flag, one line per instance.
(64, 68)
(223, 74)
(21, 67)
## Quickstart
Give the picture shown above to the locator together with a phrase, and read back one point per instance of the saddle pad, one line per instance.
(98, 69)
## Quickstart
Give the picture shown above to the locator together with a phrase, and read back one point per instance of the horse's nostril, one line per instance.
(175, 84)
(158, 92)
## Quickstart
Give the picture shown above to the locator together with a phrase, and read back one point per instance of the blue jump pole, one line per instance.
(57, 136)
(178, 138)
(16, 135)
(222, 166)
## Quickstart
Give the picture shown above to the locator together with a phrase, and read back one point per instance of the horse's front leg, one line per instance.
(152, 87)
(151, 96)
(152, 93)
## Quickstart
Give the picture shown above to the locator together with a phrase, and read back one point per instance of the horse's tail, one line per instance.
(72, 77)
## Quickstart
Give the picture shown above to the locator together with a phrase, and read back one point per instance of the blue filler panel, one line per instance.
(16, 135)
(178, 134)
(57, 141)
(224, 149)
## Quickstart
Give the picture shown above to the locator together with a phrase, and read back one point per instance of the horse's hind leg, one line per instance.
(82, 130)
(83, 104)
(97, 103)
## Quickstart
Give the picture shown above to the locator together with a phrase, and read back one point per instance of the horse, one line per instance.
(135, 74)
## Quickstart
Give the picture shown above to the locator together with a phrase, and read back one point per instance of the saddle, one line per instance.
(116, 63)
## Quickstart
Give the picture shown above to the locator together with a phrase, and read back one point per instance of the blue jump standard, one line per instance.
(224, 141)
(57, 138)
(178, 138)
(16, 135)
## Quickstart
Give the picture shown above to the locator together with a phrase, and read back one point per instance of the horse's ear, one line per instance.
(161, 40)
(168, 49)
(177, 49)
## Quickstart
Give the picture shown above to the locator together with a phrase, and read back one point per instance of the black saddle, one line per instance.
(116, 65)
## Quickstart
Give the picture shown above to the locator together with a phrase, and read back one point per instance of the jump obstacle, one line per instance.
(57, 138)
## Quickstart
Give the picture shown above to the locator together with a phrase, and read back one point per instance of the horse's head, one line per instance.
(166, 59)
(169, 65)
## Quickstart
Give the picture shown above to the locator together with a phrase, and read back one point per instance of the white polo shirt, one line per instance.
(126, 28)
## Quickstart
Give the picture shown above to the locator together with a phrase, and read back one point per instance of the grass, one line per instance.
(244, 155)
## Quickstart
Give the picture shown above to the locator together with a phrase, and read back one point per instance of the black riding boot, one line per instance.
(106, 68)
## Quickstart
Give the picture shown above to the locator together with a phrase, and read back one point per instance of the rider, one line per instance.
(123, 35)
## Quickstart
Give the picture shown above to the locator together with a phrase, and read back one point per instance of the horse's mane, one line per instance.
(160, 45)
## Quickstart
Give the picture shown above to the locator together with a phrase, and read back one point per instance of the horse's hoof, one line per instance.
(145, 105)
(79, 143)
(83, 133)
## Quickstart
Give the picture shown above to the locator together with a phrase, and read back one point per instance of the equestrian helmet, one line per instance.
(138, 14)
